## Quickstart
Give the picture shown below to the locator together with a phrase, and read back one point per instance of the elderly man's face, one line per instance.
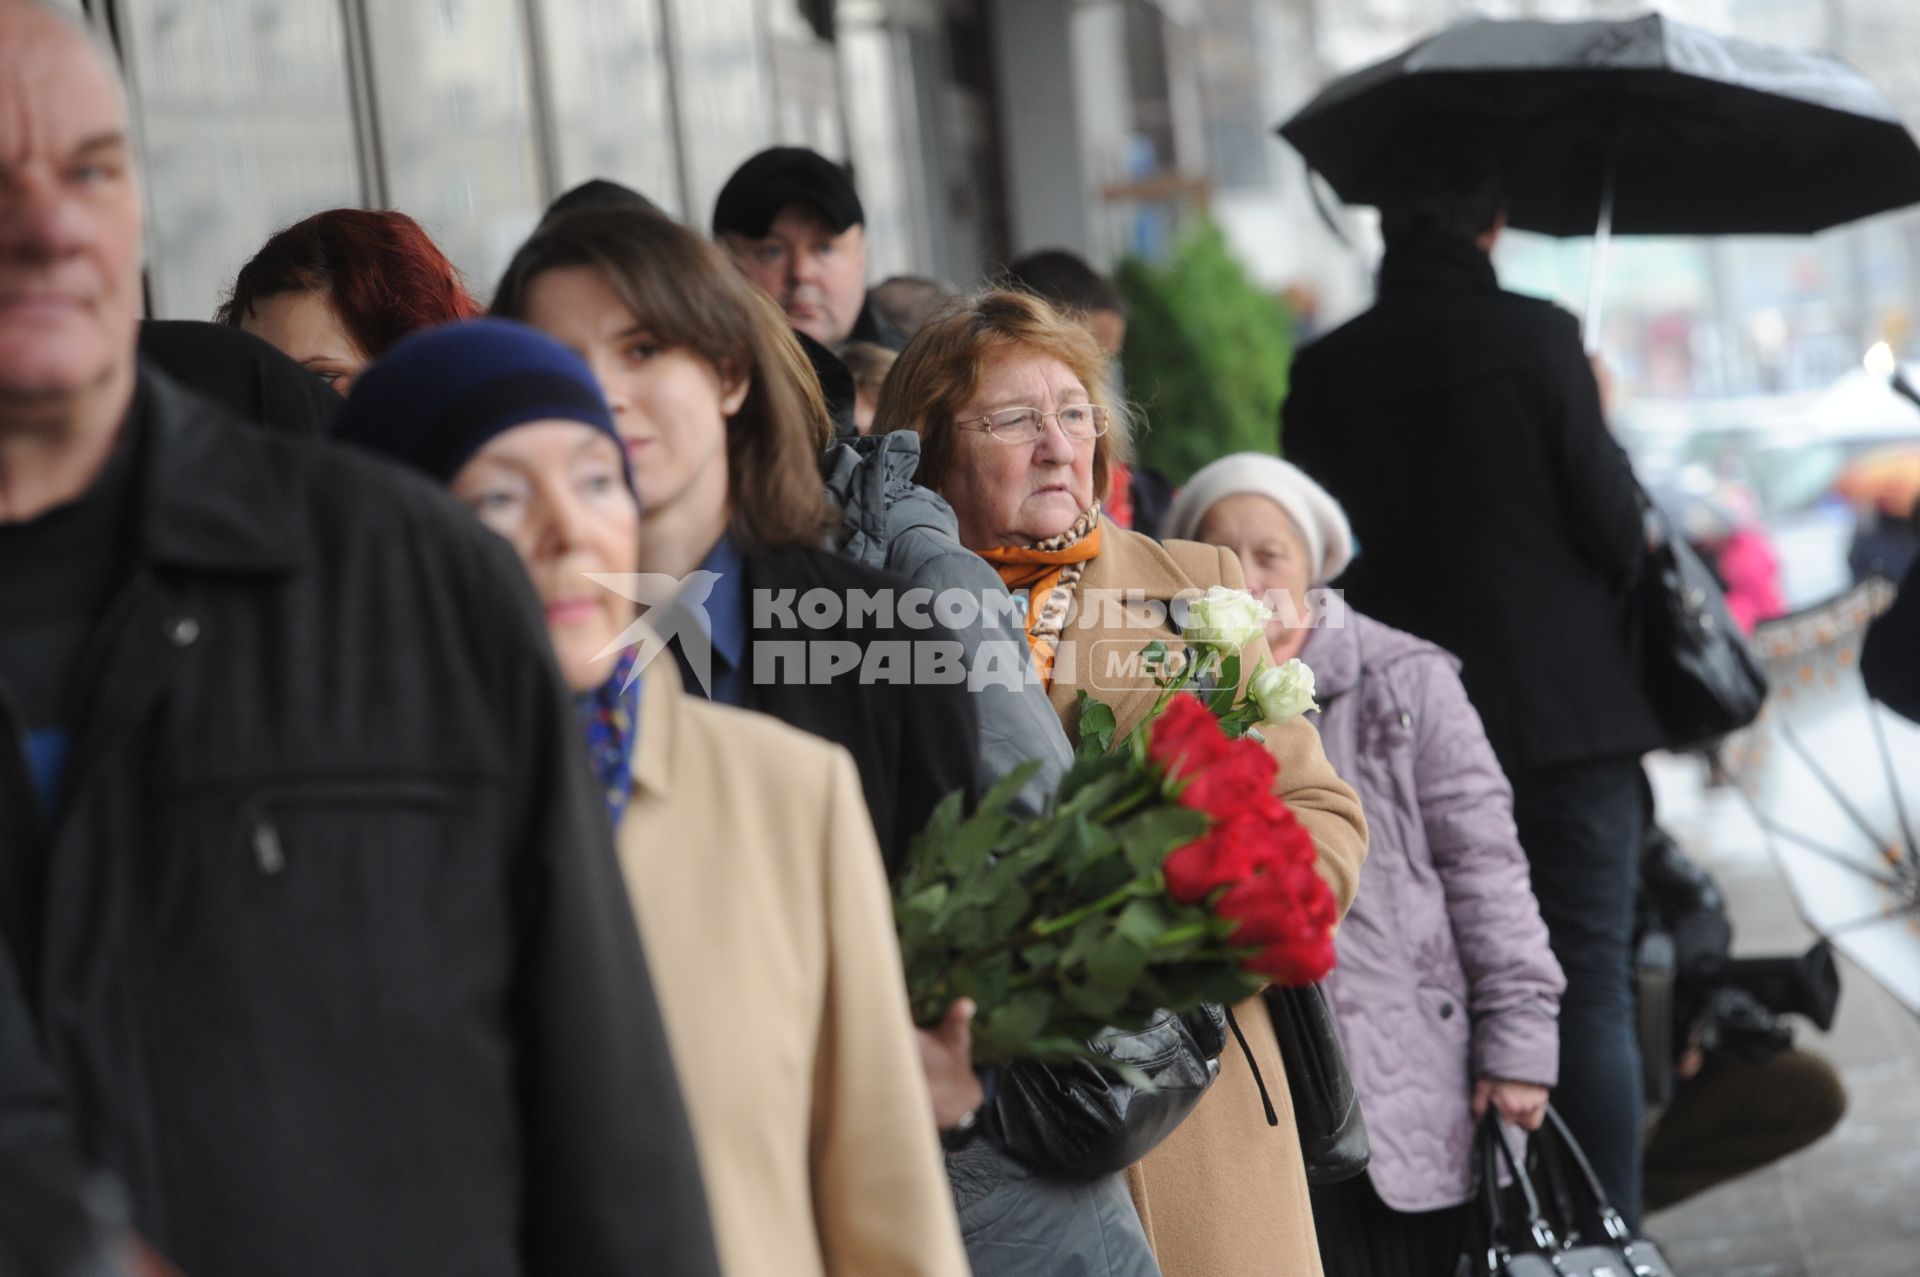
(69, 213)
(818, 277)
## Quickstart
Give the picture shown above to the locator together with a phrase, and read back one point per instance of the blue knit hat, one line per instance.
(440, 395)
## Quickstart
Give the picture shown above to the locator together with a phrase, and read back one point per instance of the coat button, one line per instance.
(1406, 719)
(182, 631)
(1446, 1010)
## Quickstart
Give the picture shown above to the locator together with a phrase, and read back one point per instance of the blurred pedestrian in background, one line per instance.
(779, 974)
(310, 895)
(1446, 991)
(336, 290)
(1077, 290)
(907, 302)
(1890, 654)
(1009, 398)
(793, 222)
(869, 364)
(1460, 428)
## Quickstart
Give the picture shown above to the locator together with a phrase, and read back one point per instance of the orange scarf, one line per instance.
(1049, 572)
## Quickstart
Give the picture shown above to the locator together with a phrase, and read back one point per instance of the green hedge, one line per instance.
(1206, 356)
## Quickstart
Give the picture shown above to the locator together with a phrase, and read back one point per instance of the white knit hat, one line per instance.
(1311, 507)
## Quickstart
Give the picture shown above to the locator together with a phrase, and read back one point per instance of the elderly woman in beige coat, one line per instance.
(1009, 400)
(747, 849)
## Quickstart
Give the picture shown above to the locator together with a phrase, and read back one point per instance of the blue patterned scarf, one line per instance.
(611, 715)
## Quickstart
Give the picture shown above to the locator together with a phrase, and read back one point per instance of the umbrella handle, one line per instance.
(1602, 237)
(1320, 207)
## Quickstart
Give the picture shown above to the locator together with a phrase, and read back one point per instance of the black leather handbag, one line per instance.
(1333, 1133)
(1592, 1240)
(1595, 1240)
(1701, 675)
(1081, 1121)
(1502, 1247)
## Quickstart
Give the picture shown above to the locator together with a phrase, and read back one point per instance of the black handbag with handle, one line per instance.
(1701, 676)
(1326, 1109)
(1079, 1121)
(1503, 1246)
(1595, 1239)
(1592, 1240)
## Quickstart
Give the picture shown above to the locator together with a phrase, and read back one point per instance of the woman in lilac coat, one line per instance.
(1446, 994)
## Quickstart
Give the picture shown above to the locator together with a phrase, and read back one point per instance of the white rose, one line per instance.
(1284, 692)
(1225, 621)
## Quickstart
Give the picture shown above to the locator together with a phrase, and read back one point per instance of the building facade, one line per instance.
(976, 129)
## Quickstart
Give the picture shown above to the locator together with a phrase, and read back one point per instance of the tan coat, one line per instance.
(1226, 1194)
(764, 912)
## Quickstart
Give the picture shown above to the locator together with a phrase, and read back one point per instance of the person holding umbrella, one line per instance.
(1460, 427)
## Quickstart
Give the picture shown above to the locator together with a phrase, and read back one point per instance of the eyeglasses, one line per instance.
(1023, 425)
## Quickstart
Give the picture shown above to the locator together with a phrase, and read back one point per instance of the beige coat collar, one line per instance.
(660, 709)
(1131, 573)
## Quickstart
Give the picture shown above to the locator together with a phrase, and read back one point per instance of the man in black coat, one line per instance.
(1461, 427)
(321, 945)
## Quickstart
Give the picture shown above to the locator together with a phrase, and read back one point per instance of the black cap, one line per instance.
(780, 176)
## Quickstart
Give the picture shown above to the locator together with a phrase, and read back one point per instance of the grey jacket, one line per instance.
(892, 522)
(1444, 973)
(1014, 1223)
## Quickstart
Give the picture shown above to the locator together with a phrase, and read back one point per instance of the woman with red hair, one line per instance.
(336, 290)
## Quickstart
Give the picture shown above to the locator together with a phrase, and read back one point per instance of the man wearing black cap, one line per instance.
(793, 222)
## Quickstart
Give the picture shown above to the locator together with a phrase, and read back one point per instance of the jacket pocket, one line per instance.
(315, 814)
(270, 868)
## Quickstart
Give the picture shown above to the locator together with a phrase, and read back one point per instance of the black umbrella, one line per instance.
(1704, 134)
(1646, 126)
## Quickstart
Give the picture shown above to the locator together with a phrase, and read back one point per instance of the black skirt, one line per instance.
(1362, 1236)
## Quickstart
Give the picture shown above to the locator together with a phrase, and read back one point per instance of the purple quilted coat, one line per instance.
(1444, 973)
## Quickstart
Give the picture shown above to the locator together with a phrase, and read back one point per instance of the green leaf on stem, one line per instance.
(1116, 963)
(1044, 954)
(1004, 1032)
(1144, 921)
(971, 845)
(926, 854)
(1098, 1004)
(1008, 787)
(1153, 834)
(1097, 723)
(1006, 912)
(1084, 937)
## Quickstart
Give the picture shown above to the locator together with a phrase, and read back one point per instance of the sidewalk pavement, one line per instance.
(1848, 1206)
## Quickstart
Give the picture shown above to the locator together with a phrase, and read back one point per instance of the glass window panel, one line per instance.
(246, 125)
(613, 118)
(806, 90)
(721, 74)
(456, 126)
(887, 147)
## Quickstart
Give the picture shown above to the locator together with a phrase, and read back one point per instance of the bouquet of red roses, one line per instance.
(1164, 874)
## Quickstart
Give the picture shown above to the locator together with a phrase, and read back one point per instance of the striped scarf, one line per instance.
(1049, 571)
